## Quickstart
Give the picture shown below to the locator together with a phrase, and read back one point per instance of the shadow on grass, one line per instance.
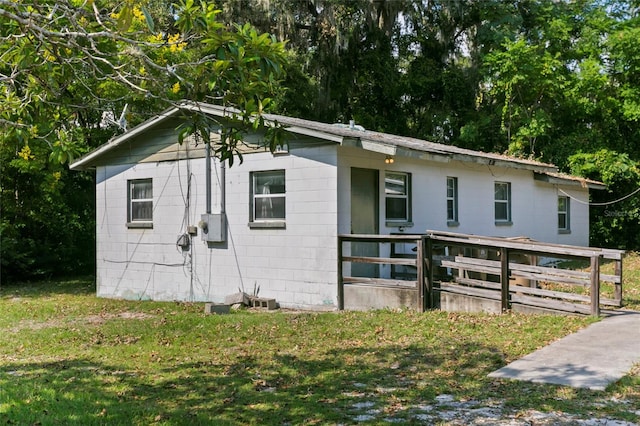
(632, 304)
(335, 386)
(35, 289)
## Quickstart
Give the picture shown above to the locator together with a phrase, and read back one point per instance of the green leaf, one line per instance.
(148, 18)
(126, 18)
(184, 130)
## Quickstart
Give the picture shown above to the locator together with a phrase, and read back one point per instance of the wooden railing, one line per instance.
(417, 284)
(502, 269)
(517, 260)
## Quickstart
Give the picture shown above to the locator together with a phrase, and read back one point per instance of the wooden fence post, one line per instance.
(340, 277)
(420, 273)
(428, 261)
(504, 279)
(595, 285)
(618, 287)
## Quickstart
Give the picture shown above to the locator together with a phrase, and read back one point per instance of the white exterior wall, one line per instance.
(297, 266)
(534, 210)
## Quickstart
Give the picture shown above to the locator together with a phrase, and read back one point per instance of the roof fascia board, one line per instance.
(422, 155)
(442, 158)
(393, 150)
(369, 145)
(378, 147)
(314, 133)
(557, 180)
(513, 164)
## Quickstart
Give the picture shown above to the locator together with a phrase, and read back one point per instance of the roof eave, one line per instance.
(569, 181)
(505, 163)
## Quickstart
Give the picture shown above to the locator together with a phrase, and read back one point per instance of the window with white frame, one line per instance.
(397, 192)
(267, 197)
(140, 202)
(563, 214)
(452, 201)
(502, 202)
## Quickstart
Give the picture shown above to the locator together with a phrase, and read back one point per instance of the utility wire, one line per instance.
(608, 203)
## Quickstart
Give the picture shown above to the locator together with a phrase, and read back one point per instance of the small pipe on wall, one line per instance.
(223, 187)
(208, 175)
(214, 225)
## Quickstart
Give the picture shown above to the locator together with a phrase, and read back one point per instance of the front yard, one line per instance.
(67, 357)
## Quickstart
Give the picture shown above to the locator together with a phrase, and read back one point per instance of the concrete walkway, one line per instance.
(591, 358)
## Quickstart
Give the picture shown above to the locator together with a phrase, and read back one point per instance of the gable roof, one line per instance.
(347, 135)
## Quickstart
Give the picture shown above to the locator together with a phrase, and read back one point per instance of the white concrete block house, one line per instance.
(284, 211)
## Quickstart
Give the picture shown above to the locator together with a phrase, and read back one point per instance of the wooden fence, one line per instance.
(513, 271)
(416, 285)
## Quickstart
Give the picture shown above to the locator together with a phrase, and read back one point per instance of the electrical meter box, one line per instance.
(214, 227)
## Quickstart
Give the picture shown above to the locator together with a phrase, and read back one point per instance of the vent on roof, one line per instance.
(352, 126)
(281, 149)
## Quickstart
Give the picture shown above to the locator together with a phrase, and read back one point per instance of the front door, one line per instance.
(364, 218)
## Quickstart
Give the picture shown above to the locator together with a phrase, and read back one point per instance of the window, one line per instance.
(267, 197)
(452, 201)
(502, 202)
(140, 203)
(397, 190)
(563, 214)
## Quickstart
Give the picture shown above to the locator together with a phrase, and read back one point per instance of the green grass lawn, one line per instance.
(631, 281)
(67, 357)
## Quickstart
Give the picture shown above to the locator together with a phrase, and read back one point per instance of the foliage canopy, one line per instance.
(542, 79)
(73, 73)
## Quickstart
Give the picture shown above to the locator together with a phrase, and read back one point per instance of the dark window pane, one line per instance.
(501, 211)
(396, 208)
(563, 213)
(562, 221)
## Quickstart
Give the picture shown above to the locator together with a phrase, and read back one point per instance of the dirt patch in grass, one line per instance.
(446, 409)
(100, 319)
(104, 317)
(35, 325)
